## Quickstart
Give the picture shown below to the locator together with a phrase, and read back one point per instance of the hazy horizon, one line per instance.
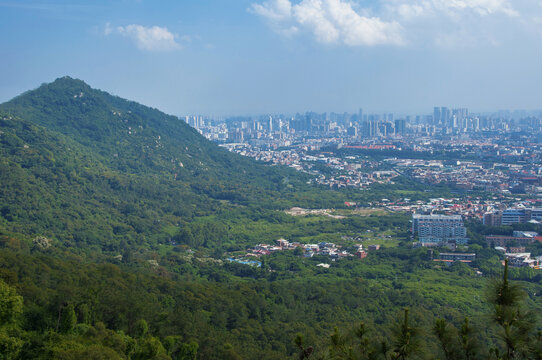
(280, 56)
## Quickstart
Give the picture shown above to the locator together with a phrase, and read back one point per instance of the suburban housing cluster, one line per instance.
(307, 250)
(513, 248)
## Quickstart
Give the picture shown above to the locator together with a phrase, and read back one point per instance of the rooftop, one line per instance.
(435, 217)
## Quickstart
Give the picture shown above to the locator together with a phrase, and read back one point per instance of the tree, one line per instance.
(185, 236)
(469, 345)
(188, 351)
(515, 324)
(68, 320)
(142, 328)
(83, 311)
(179, 350)
(150, 348)
(304, 353)
(365, 348)
(11, 307)
(10, 346)
(11, 304)
(229, 353)
(407, 342)
(446, 334)
(339, 348)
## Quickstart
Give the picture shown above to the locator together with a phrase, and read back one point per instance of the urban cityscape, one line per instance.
(493, 159)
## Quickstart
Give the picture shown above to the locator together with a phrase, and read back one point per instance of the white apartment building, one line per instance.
(439, 228)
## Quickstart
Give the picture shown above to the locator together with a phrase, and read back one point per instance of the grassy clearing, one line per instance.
(361, 212)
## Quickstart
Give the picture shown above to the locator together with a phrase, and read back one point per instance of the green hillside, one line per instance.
(130, 137)
(91, 169)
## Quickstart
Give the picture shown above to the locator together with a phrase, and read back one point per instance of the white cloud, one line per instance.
(482, 7)
(274, 9)
(330, 21)
(407, 10)
(153, 38)
(454, 23)
(446, 23)
(289, 31)
(313, 15)
(108, 29)
(279, 15)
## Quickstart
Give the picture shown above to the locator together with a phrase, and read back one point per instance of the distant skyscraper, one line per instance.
(373, 126)
(461, 113)
(445, 116)
(436, 116)
(352, 131)
(386, 129)
(400, 125)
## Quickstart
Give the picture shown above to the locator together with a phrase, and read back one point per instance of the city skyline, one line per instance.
(280, 56)
(423, 116)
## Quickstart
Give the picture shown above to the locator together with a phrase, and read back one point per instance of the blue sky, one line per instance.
(220, 57)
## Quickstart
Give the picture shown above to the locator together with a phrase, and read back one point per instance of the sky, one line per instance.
(248, 57)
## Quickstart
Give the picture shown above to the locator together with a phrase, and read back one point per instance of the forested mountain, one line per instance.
(92, 169)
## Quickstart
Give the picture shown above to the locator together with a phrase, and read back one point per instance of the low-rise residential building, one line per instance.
(519, 238)
(361, 254)
(452, 257)
(522, 260)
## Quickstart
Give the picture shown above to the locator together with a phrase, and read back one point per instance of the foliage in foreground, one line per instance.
(74, 309)
(513, 329)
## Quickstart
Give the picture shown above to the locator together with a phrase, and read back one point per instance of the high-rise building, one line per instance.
(270, 124)
(515, 216)
(352, 131)
(386, 128)
(400, 126)
(373, 127)
(439, 228)
(436, 116)
(445, 116)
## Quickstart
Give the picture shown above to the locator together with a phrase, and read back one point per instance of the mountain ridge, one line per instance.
(118, 170)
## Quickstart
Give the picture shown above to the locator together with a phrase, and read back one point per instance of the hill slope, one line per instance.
(89, 168)
(131, 137)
